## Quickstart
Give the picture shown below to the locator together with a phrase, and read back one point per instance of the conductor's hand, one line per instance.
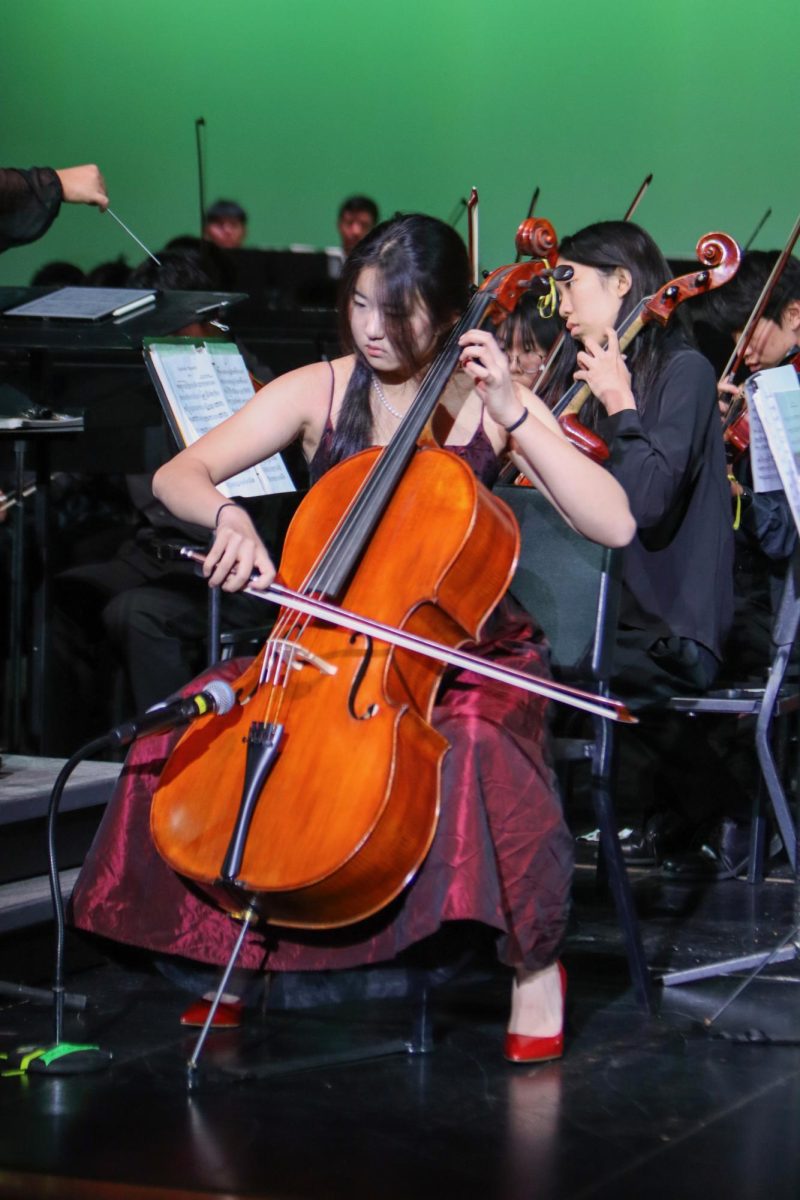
(84, 185)
(238, 558)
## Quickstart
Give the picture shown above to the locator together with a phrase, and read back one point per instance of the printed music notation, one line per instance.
(200, 384)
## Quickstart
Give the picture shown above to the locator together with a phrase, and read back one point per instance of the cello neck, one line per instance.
(358, 523)
(575, 396)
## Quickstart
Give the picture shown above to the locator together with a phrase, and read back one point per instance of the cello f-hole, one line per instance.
(372, 709)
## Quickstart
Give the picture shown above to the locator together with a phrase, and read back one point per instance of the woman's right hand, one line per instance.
(237, 558)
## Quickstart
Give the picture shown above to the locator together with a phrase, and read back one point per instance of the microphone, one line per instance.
(216, 697)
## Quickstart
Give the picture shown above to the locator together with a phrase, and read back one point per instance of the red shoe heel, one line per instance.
(227, 1016)
(519, 1048)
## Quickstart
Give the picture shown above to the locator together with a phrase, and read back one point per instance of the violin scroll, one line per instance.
(720, 255)
(537, 238)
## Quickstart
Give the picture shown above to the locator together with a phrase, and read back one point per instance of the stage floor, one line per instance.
(638, 1107)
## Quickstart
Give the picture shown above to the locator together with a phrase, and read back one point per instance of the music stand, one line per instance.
(43, 347)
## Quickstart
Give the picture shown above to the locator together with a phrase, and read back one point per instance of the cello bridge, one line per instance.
(297, 655)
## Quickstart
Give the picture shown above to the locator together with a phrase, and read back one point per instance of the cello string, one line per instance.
(356, 523)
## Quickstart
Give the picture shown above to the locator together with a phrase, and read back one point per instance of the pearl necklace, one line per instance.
(383, 400)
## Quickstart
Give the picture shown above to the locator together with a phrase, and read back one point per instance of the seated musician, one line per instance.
(225, 225)
(527, 335)
(120, 603)
(656, 407)
(765, 538)
(501, 854)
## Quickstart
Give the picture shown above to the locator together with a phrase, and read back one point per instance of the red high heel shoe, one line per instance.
(519, 1048)
(227, 1016)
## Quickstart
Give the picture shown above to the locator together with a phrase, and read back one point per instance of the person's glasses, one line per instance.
(525, 362)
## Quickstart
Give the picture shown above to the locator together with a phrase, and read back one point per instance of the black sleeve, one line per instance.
(29, 203)
(767, 520)
(656, 455)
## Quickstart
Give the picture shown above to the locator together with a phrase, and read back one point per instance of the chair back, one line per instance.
(569, 584)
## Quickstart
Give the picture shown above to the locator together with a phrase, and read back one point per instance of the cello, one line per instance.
(326, 772)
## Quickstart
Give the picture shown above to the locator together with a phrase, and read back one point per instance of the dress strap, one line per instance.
(328, 422)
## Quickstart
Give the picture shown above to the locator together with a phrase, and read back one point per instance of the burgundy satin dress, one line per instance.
(501, 855)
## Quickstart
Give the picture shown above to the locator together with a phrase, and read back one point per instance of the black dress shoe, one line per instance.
(663, 834)
(722, 855)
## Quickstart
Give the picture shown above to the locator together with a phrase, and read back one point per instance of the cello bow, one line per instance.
(312, 606)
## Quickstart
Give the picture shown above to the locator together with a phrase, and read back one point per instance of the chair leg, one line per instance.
(615, 864)
(758, 832)
(766, 758)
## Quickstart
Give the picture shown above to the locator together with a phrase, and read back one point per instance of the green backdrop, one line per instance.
(308, 100)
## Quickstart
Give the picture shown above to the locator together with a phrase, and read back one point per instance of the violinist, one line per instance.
(765, 521)
(765, 535)
(502, 853)
(527, 335)
(656, 408)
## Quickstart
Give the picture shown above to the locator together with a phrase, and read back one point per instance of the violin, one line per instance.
(720, 255)
(325, 774)
(737, 434)
(736, 423)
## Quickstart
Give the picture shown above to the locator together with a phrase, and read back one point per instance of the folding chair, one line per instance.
(775, 699)
(571, 586)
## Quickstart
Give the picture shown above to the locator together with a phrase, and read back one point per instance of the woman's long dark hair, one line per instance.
(728, 308)
(607, 246)
(418, 259)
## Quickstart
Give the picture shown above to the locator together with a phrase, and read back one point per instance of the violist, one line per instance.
(502, 853)
(656, 408)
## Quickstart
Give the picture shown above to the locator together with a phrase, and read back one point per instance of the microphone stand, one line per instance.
(65, 1058)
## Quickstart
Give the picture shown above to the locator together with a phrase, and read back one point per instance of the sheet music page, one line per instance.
(765, 472)
(198, 401)
(777, 403)
(238, 388)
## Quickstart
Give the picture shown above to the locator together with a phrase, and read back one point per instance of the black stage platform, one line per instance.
(638, 1107)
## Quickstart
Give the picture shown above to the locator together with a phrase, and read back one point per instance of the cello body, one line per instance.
(349, 806)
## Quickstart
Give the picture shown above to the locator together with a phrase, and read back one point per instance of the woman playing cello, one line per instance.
(501, 854)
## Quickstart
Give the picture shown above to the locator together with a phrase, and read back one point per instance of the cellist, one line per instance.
(502, 853)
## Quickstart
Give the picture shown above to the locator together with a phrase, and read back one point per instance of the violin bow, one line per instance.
(531, 210)
(637, 199)
(458, 211)
(200, 123)
(322, 610)
(757, 230)
(746, 336)
(472, 227)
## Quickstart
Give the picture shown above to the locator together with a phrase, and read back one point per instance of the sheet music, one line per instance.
(765, 472)
(238, 388)
(199, 401)
(776, 402)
